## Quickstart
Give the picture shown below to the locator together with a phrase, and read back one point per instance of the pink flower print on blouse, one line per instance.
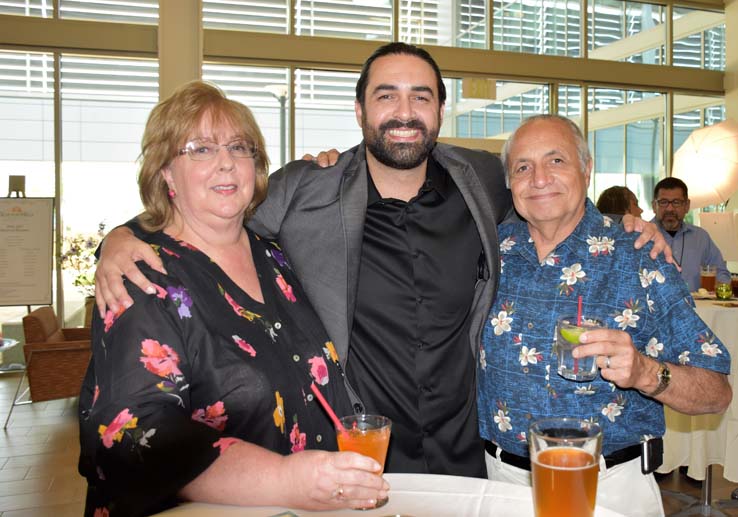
(224, 443)
(169, 252)
(114, 432)
(95, 394)
(159, 359)
(101, 512)
(243, 345)
(188, 246)
(213, 416)
(319, 370)
(286, 289)
(251, 316)
(182, 301)
(160, 291)
(111, 316)
(298, 439)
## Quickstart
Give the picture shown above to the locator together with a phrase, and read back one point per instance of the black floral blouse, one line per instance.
(176, 378)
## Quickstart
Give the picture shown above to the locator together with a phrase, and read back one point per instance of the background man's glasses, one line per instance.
(676, 203)
(204, 150)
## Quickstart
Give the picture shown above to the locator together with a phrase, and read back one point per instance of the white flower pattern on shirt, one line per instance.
(653, 347)
(623, 289)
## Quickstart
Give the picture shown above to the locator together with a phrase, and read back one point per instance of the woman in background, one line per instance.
(618, 201)
(202, 392)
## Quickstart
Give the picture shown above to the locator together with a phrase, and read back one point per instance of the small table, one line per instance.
(418, 495)
(7, 344)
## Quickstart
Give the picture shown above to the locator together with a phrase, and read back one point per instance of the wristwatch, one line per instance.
(664, 376)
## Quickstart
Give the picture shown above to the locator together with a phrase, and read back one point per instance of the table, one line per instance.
(700, 441)
(417, 495)
(7, 344)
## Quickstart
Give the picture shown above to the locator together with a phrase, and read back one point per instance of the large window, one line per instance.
(538, 26)
(627, 141)
(626, 31)
(699, 39)
(27, 121)
(485, 118)
(104, 106)
(129, 11)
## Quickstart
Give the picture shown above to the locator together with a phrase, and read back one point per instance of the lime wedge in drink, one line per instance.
(571, 334)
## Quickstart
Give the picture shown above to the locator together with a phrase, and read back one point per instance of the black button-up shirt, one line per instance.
(409, 355)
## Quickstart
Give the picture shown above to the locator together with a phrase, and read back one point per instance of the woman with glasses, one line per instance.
(203, 392)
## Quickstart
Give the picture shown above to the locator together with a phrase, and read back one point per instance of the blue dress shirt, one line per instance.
(693, 248)
(618, 284)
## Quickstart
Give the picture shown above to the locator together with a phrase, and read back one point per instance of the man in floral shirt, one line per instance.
(655, 350)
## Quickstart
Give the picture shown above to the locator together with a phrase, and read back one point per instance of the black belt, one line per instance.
(616, 458)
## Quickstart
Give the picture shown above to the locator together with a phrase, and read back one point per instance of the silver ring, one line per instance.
(607, 362)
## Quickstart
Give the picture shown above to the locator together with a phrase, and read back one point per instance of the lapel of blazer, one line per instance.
(353, 198)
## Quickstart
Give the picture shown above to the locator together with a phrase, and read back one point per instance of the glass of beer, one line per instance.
(564, 454)
(707, 277)
(368, 435)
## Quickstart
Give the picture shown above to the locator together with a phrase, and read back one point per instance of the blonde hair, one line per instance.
(168, 127)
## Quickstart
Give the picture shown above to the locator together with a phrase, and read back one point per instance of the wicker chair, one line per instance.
(56, 358)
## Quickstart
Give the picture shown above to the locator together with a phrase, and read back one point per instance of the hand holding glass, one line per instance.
(567, 337)
(564, 454)
(368, 435)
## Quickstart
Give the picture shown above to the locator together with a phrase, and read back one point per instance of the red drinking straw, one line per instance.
(327, 407)
(579, 324)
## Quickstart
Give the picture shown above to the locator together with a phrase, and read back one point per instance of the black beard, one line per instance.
(399, 155)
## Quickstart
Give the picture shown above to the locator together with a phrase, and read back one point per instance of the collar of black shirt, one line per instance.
(436, 178)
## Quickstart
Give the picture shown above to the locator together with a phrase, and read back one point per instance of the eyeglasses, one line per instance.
(204, 150)
(676, 203)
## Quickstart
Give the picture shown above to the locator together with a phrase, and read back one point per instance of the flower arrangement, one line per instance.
(78, 256)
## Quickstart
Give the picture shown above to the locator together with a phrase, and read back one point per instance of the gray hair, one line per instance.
(582, 146)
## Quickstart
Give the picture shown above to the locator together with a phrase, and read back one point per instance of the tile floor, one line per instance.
(39, 450)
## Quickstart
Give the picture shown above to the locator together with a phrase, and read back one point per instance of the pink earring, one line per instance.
(171, 193)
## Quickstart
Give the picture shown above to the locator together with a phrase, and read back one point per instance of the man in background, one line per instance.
(691, 245)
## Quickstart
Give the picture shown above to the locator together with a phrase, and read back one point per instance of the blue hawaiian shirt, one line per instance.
(618, 284)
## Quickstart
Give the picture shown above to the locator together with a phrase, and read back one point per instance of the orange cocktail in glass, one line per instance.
(368, 435)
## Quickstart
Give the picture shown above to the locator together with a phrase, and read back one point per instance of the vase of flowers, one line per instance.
(78, 258)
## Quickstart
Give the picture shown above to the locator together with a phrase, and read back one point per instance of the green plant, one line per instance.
(78, 256)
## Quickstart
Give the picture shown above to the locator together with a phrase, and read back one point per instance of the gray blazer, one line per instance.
(318, 217)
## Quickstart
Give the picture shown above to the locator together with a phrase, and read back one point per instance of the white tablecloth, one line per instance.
(699, 441)
(412, 495)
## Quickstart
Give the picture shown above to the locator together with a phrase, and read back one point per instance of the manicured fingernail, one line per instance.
(150, 290)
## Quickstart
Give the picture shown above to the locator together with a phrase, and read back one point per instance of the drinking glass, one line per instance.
(368, 435)
(707, 277)
(567, 337)
(723, 291)
(564, 454)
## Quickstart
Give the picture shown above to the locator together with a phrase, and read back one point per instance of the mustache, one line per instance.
(399, 124)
